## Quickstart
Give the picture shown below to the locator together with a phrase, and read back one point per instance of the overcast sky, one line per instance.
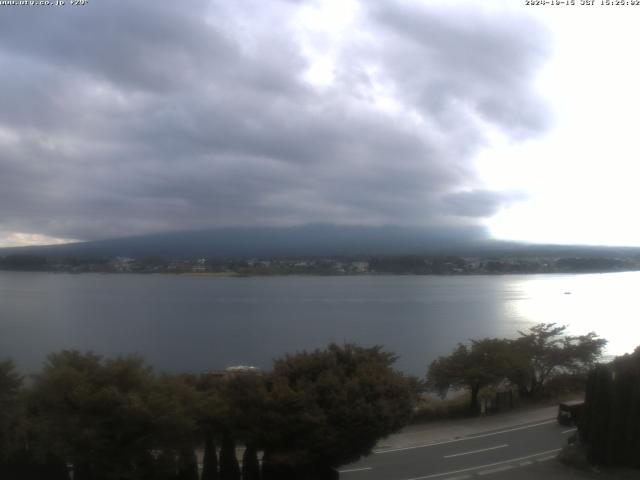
(129, 117)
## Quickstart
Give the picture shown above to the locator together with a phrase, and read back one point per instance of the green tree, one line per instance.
(173, 400)
(10, 384)
(11, 418)
(93, 413)
(213, 413)
(329, 407)
(107, 416)
(475, 366)
(244, 396)
(546, 351)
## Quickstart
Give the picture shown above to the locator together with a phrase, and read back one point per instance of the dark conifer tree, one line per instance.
(145, 467)
(229, 468)
(56, 468)
(601, 416)
(210, 459)
(23, 466)
(268, 471)
(620, 413)
(633, 445)
(82, 471)
(610, 424)
(166, 465)
(187, 465)
(250, 464)
(586, 422)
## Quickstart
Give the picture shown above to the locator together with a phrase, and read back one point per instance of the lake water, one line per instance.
(196, 323)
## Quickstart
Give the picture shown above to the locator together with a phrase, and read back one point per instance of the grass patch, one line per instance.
(574, 456)
(431, 409)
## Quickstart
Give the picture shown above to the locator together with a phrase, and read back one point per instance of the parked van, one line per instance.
(569, 412)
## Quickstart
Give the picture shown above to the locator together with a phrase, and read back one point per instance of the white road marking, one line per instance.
(512, 460)
(476, 451)
(355, 470)
(545, 459)
(483, 435)
(496, 470)
(570, 430)
(524, 464)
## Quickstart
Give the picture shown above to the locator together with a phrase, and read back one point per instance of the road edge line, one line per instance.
(435, 475)
(462, 439)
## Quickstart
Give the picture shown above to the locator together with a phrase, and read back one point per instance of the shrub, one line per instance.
(564, 384)
(430, 409)
(574, 456)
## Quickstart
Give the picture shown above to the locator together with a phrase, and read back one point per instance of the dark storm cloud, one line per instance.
(477, 203)
(472, 61)
(131, 117)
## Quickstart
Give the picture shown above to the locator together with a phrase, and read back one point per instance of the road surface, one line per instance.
(479, 455)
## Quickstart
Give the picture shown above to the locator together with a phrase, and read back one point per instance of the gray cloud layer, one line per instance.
(132, 117)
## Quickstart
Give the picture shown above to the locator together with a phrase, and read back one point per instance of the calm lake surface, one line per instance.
(190, 323)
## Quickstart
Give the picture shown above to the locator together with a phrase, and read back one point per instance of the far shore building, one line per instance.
(234, 371)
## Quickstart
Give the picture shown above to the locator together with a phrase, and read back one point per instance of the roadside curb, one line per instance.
(415, 436)
(443, 440)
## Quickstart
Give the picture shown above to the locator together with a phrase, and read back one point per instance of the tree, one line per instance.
(229, 467)
(23, 262)
(250, 464)
(528, 362)
(173, 401)
(107, 416)
(244, 396)
(213, 414)
(92, 412)
(17, 459)
(187, 465)
(210, 458)
(10, 384)
(166, 465)
(610, 423)
(329, 407)
(11, 418)
(545, 351)
(482, 363)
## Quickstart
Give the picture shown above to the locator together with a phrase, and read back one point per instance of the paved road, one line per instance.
(483, 454)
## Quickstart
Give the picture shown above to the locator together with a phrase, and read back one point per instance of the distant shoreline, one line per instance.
(232, 274)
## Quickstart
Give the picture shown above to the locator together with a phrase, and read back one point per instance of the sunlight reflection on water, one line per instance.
(604, 303)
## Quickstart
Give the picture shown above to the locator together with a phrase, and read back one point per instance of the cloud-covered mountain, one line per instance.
(316, 240)
(126, 118)
(243, 242)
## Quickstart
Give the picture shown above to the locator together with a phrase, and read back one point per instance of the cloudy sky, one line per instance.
(128, 117)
